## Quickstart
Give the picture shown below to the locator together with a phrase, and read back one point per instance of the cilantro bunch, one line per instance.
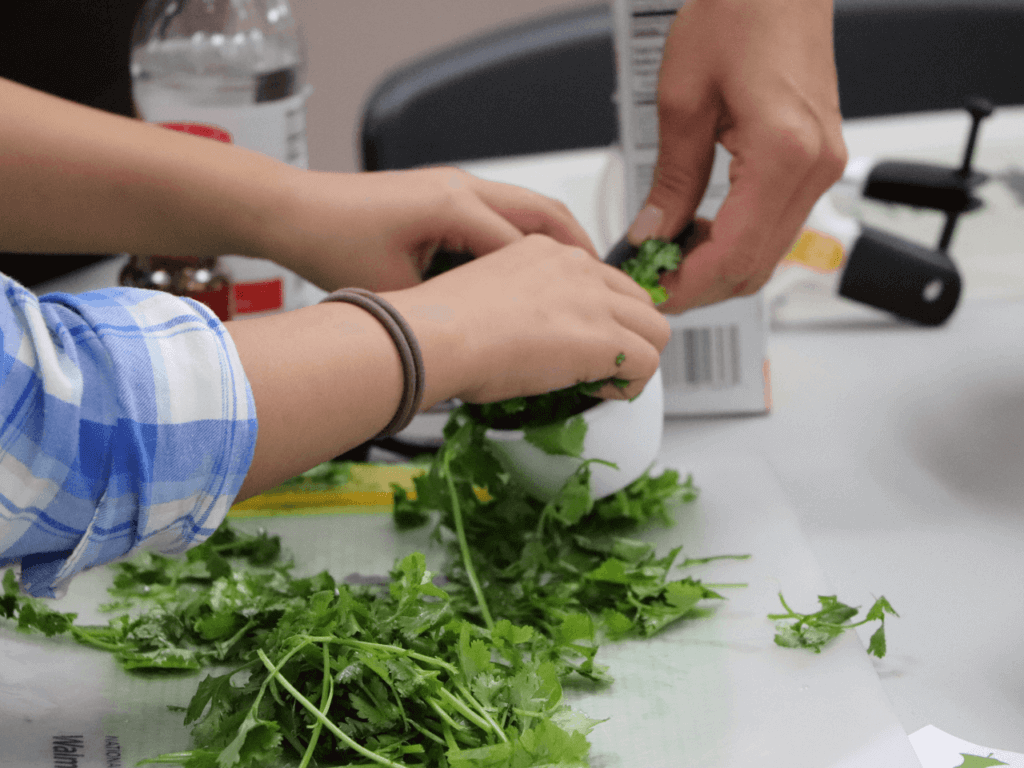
(460, 670)
(343, 676)
(533, 563)
(463, 670)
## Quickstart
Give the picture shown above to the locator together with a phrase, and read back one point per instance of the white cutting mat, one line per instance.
(720, 693)
(709, 693)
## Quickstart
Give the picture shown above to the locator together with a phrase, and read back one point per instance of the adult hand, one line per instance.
(529, 318)
(380, 230)
(760, 78)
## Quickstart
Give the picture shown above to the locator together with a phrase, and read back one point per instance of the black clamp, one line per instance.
(902, 277)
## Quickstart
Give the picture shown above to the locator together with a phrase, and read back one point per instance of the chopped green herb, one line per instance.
(313, 671)
(654, 257)
(330, 473)
(559, 439)
(31, 615)
(816, 630)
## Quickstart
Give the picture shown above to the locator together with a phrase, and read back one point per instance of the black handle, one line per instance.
(924, 185)
(898, 276)
(623, 250)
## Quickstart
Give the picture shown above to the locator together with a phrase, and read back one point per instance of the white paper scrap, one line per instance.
(937, 749)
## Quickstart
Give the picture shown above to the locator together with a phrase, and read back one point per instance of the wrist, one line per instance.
(442, 344)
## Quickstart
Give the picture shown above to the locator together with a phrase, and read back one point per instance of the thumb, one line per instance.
(685, 155)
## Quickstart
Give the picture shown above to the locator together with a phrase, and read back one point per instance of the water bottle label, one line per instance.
(198, 129)
(273, 128)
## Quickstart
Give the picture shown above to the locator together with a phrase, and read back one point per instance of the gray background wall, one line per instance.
(353, 44)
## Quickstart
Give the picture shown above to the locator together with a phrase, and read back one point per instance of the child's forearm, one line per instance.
(327, 378)
(78, 180)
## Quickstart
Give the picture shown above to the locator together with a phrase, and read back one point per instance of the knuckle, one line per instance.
(661, 333)
(834, 158)
(678, 106)
(559, 208)
(453, 177)
(453, 187)
(539, 242)
(650, 362)
(797, 139)
(805, 143)
(738, 268)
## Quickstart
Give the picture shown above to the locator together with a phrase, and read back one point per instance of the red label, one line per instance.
(199, 129)
(218, 301)
(259, 297)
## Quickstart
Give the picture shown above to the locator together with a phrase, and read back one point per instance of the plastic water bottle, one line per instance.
(234, 67)
(236, 64)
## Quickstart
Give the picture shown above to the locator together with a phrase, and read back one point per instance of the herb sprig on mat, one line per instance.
(818, 629)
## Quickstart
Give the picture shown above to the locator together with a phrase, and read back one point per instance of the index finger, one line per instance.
(740, 241)
(534, 213)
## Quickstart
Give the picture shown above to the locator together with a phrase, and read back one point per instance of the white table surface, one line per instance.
(900, 448)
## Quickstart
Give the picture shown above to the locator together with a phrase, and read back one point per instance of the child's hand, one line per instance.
(380, 230)
(530, 318)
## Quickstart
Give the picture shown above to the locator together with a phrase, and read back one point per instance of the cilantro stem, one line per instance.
(691, 561)
(460, 532)
(364, 645)
(734, 584)
(785, 605)
(326, 696)
(428, 734)
(468, 713)
(342, 736)
(448, 738)
(528, 713)
(227, 645)
(444, 715)
(483, 712)
(85, 637)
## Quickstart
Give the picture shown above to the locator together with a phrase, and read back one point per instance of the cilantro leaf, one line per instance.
(31, 614)
(559, 439)
(653, 258)
(816, 630)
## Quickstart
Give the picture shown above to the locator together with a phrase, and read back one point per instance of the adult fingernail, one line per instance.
(646, 224)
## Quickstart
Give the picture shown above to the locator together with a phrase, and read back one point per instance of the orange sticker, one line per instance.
(817, 252)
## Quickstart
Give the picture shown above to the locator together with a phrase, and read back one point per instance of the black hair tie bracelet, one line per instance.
(408, 349)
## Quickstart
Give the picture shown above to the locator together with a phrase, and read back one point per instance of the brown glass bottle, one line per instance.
(195, 277)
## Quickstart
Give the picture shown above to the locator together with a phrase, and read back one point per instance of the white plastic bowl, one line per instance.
(625, 433)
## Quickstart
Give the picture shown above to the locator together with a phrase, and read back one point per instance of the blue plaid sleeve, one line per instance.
(126, 422)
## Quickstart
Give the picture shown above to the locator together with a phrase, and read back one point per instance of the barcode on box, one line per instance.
(702, 358)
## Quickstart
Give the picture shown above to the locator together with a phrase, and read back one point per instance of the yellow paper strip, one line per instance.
(370, 486)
